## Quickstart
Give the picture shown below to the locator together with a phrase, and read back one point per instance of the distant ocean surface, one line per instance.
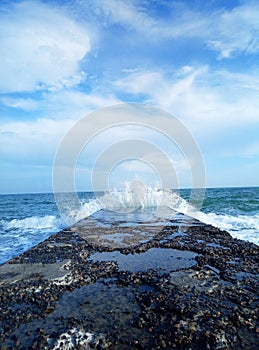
(27, 219)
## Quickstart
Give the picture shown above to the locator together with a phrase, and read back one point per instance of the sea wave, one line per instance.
(18, 235)
(87, 209)
(48, 222)
(240, 226)
(137, 197)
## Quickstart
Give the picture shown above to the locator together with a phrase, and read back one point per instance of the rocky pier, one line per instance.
(132, 281)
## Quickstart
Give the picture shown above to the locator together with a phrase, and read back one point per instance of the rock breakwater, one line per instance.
(125, 284)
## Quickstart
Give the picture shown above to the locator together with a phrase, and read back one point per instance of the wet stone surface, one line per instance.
(163, 259)
(132, 282)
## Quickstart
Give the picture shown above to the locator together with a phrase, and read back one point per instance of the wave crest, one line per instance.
(33, 223)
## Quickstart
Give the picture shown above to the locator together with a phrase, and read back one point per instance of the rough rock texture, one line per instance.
(116, 282)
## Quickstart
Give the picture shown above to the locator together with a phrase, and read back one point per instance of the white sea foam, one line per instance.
(240, 226)
(87, 209)
(136, 197)
(33, 223)
(19, 234)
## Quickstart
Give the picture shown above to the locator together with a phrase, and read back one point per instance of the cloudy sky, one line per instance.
(61, 60)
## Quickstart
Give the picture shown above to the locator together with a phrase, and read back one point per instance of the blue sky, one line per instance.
(61, 60)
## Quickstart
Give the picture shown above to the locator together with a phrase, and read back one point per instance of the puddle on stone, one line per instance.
(121, 239)
(9, 273)
(156, 216)
(216, 245)
(115, 237)
(240, 275)
(98, 308)
(121, 230)
(163, 259)
(174, 235)
(177, 234)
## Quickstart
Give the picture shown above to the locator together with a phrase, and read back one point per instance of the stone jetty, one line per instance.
(132, 281)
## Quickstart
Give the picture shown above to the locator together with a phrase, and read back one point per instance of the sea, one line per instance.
(28, 219)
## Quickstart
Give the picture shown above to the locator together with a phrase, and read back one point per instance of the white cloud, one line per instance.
(247, 81)
(61, 104)
(40, 47)
(141, 82)
(158, 88)
(69, 104)
(237, 31)
(220, 110)
(129, 14)
(231, 31)
(35, 141)
(31, 142)
(137, 16)
(26, 104)
(203, 98)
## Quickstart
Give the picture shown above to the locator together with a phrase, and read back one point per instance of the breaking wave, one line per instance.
(18, 234)
(241, 226)
(33, 223)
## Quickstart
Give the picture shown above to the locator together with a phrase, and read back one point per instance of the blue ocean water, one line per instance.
(27, 219)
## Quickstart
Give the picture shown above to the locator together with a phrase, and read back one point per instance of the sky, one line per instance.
(63, 60)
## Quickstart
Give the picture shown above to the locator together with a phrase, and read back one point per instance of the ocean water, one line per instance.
(27, 219)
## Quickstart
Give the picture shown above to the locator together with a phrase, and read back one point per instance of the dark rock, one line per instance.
(56, 296)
